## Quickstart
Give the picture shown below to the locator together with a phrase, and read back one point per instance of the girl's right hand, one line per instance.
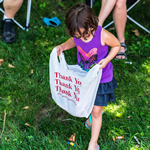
(59, 50)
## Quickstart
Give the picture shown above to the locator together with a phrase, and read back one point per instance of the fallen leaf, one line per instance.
(136, 32)
(54, 12)
(114, 139)
(31, 71)
(27, 124)
(11, 66)
(50, 141)
(148, 126)
(26, 107)
(72, 138)
(112, 28)
(1, 61)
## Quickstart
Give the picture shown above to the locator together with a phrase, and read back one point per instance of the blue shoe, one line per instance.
(90, 118)
(86, 124)
(54, 22)
(97, 148)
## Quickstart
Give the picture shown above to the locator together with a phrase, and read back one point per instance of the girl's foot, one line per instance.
(93, 146)
(98, 148)
(88, 124)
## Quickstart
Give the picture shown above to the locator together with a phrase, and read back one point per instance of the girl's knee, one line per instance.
(96, 113)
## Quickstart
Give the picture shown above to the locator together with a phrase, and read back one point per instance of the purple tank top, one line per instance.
(92, 52)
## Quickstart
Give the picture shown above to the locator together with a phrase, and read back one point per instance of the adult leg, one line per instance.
(11, 7)
(106, 8)
(96, 126)
(8, 32)
(120, 18)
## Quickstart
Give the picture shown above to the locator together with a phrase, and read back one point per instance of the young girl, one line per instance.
(92, 47)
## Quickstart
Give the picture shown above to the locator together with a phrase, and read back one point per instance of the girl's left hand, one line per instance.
(103, 63)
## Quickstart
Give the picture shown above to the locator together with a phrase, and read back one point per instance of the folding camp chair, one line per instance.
(27, 18)
(90, 2)
(91, 5)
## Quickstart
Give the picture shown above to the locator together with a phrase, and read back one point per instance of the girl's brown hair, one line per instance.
(81, 16)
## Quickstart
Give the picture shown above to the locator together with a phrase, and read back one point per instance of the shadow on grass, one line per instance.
(127, 116)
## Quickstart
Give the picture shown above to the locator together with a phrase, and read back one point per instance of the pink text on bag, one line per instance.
(70, 89)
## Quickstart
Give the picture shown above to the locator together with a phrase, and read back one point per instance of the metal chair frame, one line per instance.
(27, 17)
(91, 5)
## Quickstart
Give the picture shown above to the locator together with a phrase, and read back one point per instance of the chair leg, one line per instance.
(27, 19)
(138, 24)
(2, 10)
(127, 11)
(130, 18)
(28, 15)
(14, 20)
(91, 4)
(108, 25)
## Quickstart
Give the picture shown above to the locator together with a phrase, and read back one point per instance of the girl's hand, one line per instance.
(103, 63)
(59, 50)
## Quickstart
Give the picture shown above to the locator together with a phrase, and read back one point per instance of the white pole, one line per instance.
(138, 24)
(28, 15)
(14, 20)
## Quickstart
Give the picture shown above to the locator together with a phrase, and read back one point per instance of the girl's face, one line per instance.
(84, 36)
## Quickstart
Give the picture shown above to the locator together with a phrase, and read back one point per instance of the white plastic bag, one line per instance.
(72, 88)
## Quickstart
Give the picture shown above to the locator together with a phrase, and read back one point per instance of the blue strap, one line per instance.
(90, 117)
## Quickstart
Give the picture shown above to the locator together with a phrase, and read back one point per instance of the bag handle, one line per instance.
(63, 62)
(54, 59)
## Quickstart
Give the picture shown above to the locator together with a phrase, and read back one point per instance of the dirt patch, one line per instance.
(51, 110)
(44, 112)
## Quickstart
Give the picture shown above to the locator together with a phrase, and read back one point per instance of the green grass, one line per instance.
(50, 126)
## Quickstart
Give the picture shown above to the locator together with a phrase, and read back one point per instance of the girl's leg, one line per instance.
(96, 126)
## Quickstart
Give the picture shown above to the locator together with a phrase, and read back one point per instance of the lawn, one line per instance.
(34, 121)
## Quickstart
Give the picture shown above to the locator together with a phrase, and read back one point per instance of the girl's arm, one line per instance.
(109, 39)
(65, 46)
